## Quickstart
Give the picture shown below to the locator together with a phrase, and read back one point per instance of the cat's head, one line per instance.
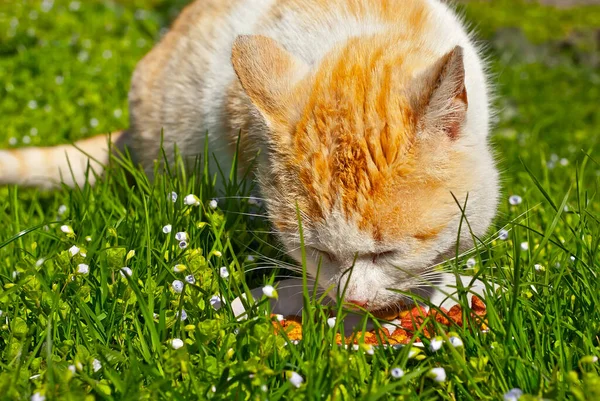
(371, 147)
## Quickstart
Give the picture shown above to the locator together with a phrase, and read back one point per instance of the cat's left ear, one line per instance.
(268, 74)
(440, 96)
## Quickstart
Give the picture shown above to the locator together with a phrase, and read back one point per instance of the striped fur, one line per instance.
(369, 114)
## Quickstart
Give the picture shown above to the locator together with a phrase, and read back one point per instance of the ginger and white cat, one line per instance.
(369, 114)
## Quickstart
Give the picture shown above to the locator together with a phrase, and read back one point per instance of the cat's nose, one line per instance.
(359, 303)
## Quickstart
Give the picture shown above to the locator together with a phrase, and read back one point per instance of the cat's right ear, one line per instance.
(268, 74)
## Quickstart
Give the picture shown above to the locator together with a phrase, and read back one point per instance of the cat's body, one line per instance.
(363, 112)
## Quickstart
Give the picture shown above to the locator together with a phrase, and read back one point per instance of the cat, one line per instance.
(371, 117)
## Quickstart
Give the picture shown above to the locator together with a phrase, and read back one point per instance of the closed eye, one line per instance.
(326, 254)
(379, 255)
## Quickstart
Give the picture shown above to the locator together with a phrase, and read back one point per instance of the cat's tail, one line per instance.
(47, 167)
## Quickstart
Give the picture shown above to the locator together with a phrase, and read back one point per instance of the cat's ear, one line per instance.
(441, 96)
(267, 73)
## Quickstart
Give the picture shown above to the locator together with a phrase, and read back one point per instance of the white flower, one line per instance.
(181, 236)
(572, 258)
(213, 204)
(295, 379)
(213, 388)
(88, 238)
(178, 268)
(190, 279)
(224, 272)
(564, 162)
(368, 348)
(471, 263)
(183, 244)
(62, 209)
(539, 268)
(513, 395)
(40, 262)
(12, 141)
(38, 397)
(331, 322)
(436, 344)
(66, 229)
(176, 343)
(94, 122)
(524, 246)
(191, 200)
(397, 373)
(82, 268)
(74, 250)
(32, 104)
(250, 258)
(264, 388)
(182, 315)
(269, 291)
(177, 286)
(72, 369)
(215, 301)
(277, 316)
(126, 271)
(455, 341)
(118, 113)
(438, 374)
(167, 229)
(74, 5)
(515, 200)
(96, 365)
(174, 197)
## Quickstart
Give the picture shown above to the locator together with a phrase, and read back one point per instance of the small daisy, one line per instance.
(368, 348)
(438, 374)
(513, 395)
(269, 291)
(190, 279)
(72, 369)
(279, 317)
(471, 262)
(331, 322)
(167, 229)
(178, 268)
(181, 236)
(436, 344)
(397, 373)
(524, 246)
(224, 272)
(215, 301)
(455, 341)
(174, 197)
(82, 268)
(38, 397)
(66, 229)
(176, 343)
(96, 365)
(183, 244)
(295, 379)
(74, 250)
(62, 209)
(213, 204)
(177, 286)
(191, 200)
(515, 200)
(539, 268)
(126, 271)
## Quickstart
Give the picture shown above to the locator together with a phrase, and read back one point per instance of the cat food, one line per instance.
(403, 327)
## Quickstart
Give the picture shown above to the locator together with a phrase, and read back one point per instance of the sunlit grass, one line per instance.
(67, 334)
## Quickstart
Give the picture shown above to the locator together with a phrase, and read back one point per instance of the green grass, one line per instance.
(543, 328)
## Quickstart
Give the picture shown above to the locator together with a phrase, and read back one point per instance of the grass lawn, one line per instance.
(66, 333)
